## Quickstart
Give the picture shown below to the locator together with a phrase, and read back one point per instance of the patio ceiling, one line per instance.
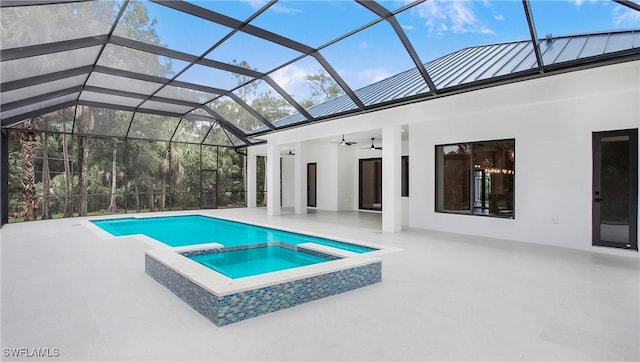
(201, 71)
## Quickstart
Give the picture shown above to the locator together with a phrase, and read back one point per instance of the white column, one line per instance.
(273, 180)
(252, 174)
(300, 176)
(391, 179)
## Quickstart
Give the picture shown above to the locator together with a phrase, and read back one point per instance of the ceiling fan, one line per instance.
(346, 143)
(372, 147)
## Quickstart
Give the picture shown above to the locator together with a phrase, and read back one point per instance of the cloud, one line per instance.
(407, 27)
(279, 8)
(291, 78)
(364, 45)
(284, 9)
(256, 4)
(579, 3)
(453, 16)
(626, 17)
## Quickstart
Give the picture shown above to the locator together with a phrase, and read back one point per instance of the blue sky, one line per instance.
(436, 28)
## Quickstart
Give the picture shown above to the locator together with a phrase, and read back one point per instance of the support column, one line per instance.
(391, 179)
(4, 177)
(273, 180)
(300, 175)
(252, 174)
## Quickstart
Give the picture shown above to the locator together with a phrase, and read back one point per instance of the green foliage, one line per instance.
(149, 172)
(271, 107)
(323, 87)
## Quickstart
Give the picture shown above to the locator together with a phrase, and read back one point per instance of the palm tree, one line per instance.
(85, 122)
(112, 203)
(142, 164)
(68, 205)
(46, 178)
(171, 171)
(27, 147)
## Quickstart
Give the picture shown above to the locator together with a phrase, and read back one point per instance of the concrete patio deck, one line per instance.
(442, 297)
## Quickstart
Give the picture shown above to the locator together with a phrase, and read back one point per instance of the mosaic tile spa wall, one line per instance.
(251, 303)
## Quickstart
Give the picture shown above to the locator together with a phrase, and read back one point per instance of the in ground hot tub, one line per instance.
(227, 285)
(257, 259)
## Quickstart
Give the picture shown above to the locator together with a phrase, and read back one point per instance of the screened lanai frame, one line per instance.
(67, 88)
(89, 78)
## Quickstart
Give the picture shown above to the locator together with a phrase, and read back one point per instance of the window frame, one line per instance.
(470, 210)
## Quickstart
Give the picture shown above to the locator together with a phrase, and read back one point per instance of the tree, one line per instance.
(46, 176)
(28, 145)
(112, 202)
(170, 171)
(17, 26)
(142, 160)
(86, 122)
(68, 204)
(323, 88)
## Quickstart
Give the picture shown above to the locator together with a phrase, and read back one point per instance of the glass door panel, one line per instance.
(371, 184)
(615, 189)
(311, 184)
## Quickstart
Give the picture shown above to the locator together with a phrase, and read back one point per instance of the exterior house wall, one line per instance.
(288, 181)
(551, 119)
(325, 155)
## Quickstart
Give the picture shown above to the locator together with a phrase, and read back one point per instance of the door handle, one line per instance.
(598, 199)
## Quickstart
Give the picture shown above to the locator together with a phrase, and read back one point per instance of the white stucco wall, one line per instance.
(325, 155)
(288, 180)
(551, 120)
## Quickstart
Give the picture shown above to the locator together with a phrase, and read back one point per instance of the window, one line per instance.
(476, 178)
(405, 176)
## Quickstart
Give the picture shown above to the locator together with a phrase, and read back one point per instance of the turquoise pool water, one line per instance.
(198, 229)
(252, 261)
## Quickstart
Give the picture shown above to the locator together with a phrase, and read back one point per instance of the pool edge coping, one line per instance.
(221, 285)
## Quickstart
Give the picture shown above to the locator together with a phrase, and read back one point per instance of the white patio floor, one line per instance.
(443, 297)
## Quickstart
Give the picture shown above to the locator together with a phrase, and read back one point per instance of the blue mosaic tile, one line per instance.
(252, 303)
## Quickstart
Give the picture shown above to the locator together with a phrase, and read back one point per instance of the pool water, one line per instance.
(252, 261)
(197, 229)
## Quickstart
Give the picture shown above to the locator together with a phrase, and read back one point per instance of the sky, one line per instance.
(435, 28)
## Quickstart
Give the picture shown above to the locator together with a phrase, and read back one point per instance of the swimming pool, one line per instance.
(188, 230)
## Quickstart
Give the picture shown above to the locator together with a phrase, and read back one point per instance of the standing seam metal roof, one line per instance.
(482, 62)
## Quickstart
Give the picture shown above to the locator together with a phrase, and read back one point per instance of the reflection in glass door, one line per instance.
(615, 189)
(312, 179)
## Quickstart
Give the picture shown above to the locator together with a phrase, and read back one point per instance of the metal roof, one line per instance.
(59, 54)
(475, 64)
